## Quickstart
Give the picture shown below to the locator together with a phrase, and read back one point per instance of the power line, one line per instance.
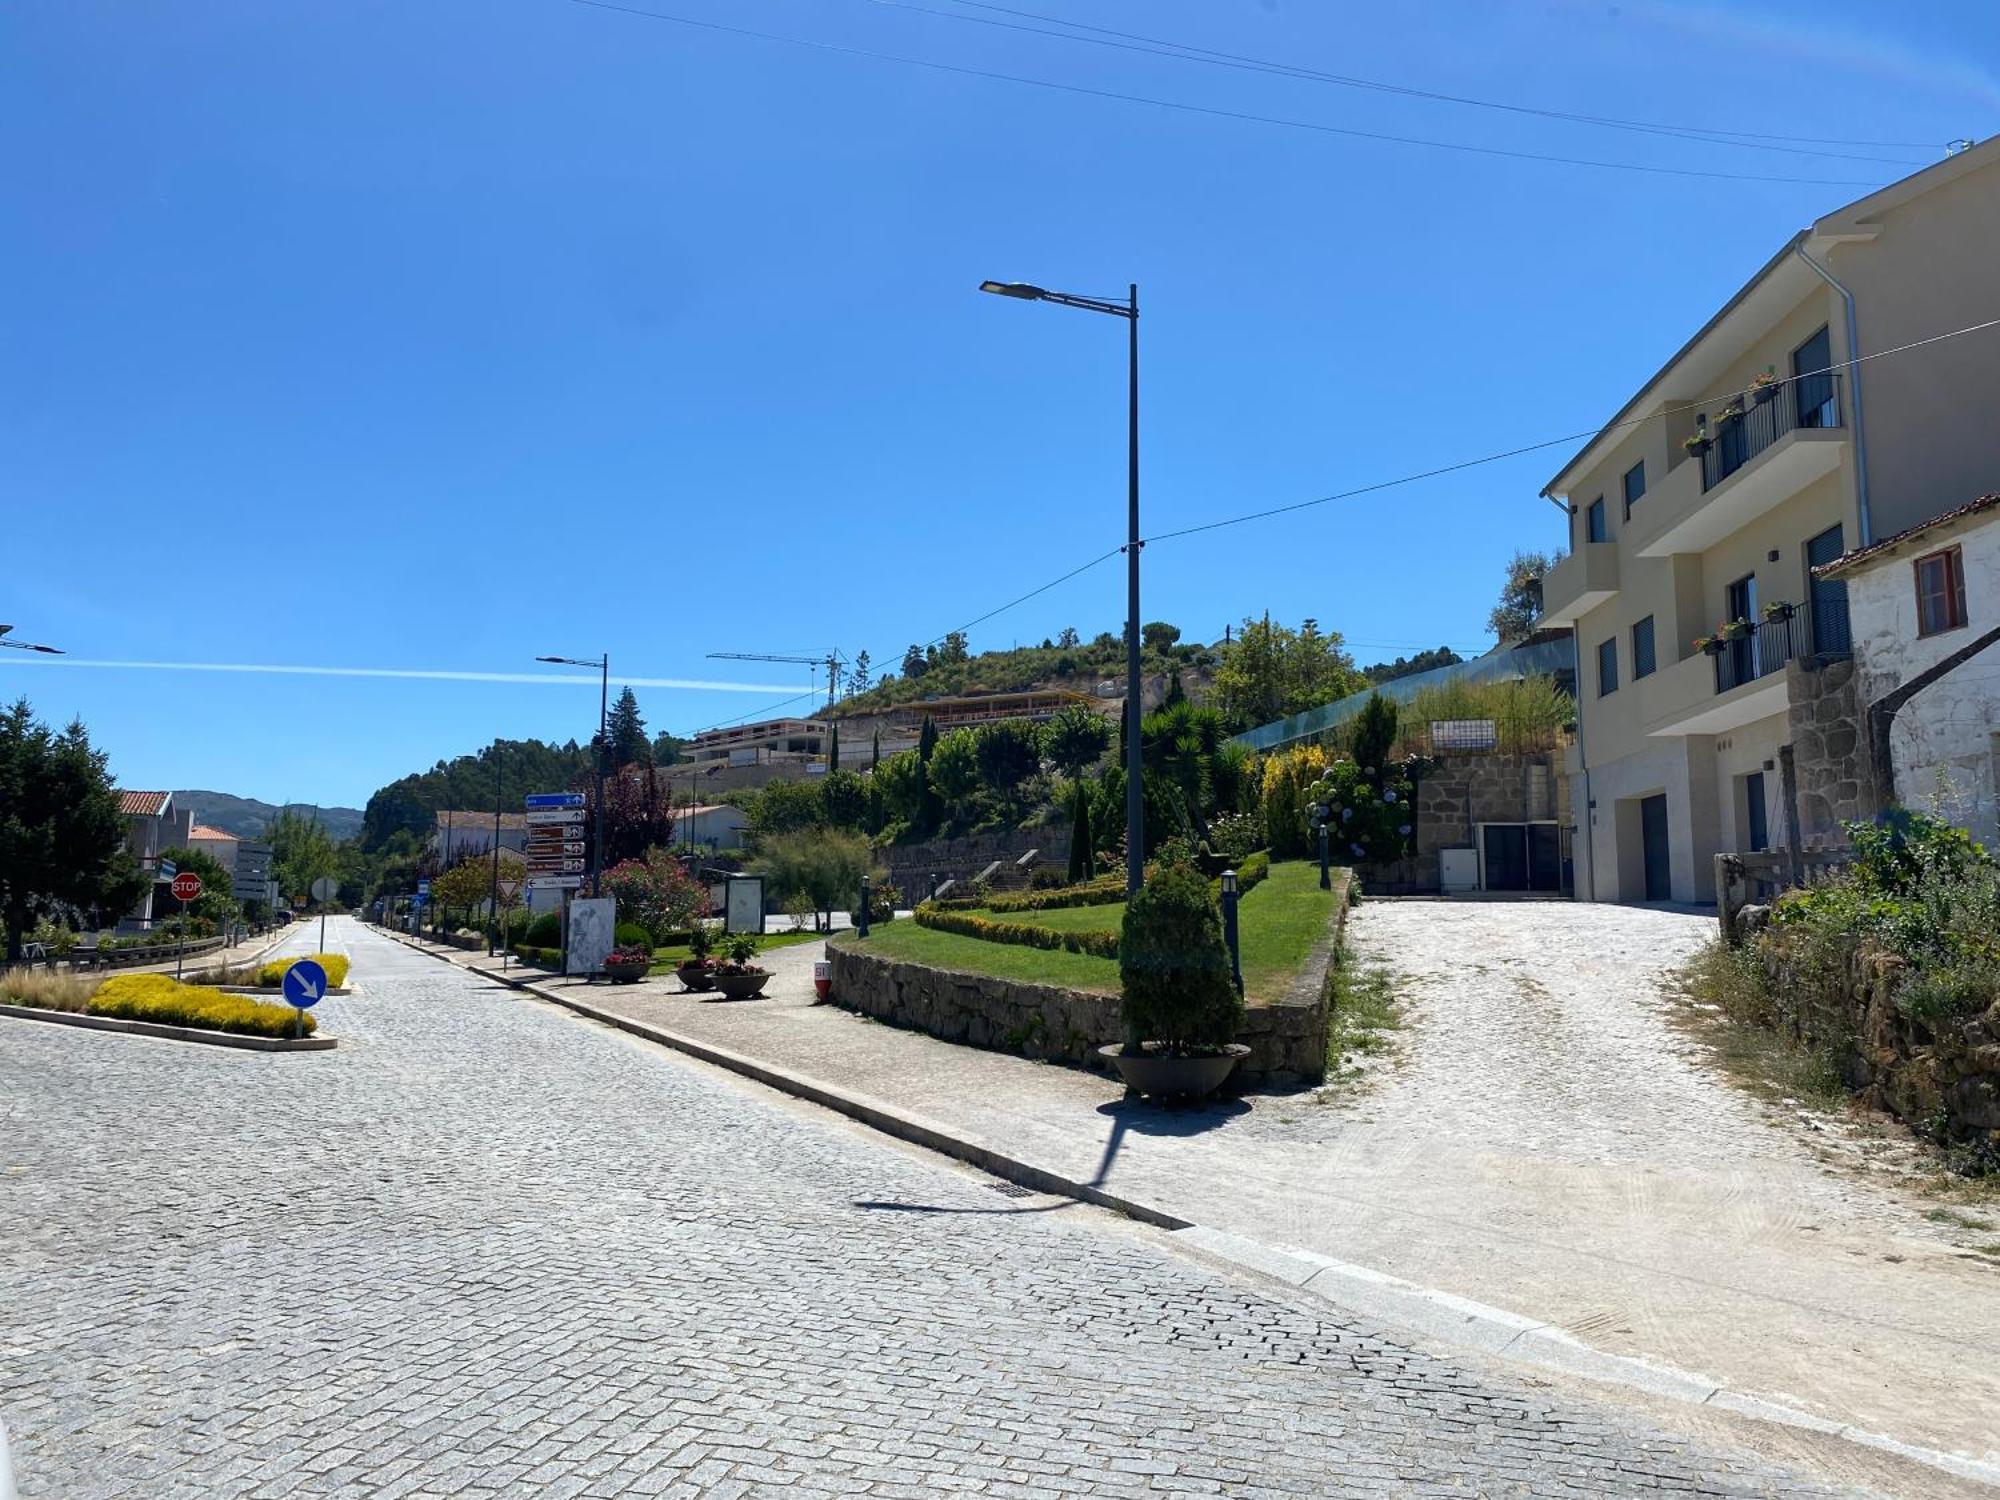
(1214, 112)
(1572, 437)
(1387, 484)
(1129, 41)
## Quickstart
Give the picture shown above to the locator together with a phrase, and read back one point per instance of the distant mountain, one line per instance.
(247, 818)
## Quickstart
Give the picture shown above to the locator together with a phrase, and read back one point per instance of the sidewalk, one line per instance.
(1753, 1266)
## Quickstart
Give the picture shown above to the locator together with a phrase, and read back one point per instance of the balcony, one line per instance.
(1745, 680)
(1579, 583)
(1756, 460)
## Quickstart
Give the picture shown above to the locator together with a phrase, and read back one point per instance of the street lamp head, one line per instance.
(558, 660)
(1020, 289)
(51, 650)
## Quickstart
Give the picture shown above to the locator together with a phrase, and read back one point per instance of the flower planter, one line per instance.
(1698, 447)
(742, 986)
(625, 973)
(1764, 394)
(1162, 1075)
(1714, 648)
(695, 976)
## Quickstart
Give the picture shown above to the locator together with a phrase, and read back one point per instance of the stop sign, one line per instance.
(186, 886)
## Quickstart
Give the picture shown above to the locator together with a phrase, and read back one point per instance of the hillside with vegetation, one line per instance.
(949, 669)
(248, 818)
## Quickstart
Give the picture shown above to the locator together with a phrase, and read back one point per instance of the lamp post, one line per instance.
(603, 665)
(493, 901)
(1321, 812)
(1135, 817)
(1229, 928)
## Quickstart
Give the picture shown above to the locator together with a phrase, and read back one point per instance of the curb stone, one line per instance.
(1427, 1311)
(207, 1038)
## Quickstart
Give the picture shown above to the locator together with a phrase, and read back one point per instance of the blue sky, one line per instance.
(435, 335)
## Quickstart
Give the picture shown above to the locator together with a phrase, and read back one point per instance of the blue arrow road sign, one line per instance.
(305, 984)
(168, 869)
(553, 799)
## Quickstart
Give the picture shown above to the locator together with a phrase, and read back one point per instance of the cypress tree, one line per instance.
(927, 740)
(1079, 836)
(833, 751)
(875, 754)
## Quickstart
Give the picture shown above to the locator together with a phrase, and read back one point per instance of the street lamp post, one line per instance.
(1135, 817)
(493, 901)
(27, 645)
(603, 665)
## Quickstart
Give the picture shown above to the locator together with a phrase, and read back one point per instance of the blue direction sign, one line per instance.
(168, 869)
(305, 984)
(553, 799)
(423, 887)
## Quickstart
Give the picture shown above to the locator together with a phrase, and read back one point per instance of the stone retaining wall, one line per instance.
(1287, 1039)
(1942, 1078)
(911, 866)
(1828, 749)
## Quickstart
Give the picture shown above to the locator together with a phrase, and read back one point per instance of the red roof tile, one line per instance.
(143, 804)
(1848, 560)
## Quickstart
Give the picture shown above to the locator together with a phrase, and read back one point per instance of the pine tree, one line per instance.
(1080, 860)
(627, 732)
(858, 676)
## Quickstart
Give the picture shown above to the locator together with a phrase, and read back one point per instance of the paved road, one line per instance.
(485, 1248)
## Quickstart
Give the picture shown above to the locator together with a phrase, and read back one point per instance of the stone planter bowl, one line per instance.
(742, 986)
(695, 976)
(625, 973)
(1158, 1075)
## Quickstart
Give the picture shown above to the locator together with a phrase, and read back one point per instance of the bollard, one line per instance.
(862, 923)
(1229, 899)
(1325, 876)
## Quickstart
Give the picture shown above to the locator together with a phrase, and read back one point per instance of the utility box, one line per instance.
(1458, 871)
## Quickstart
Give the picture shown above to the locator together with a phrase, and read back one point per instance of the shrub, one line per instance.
(545, 931)
(632, 935)
(1249, 874)
(823, 867)
(158, 998)
(1021, 934)
(1371, 810)
(1235, 836)
(545, 958)
(1105, 892)
(1174, 968)
(739, 949)
(654, 894)
(46, 990)
(271, 975)
(883, 898)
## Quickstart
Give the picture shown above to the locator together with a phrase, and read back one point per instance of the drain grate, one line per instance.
(1010, 1190)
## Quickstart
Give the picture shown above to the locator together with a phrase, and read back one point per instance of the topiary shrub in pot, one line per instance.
(697, 971)
(1180, 1007)
(737, 976)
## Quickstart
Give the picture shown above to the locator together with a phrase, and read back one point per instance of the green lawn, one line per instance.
(1281, 920)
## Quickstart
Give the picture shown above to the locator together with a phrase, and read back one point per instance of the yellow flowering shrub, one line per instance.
(165, 1000)
(272, 974)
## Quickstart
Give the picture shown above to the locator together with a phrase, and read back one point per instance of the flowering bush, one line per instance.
(629, 955)
(655, 893)
(1371, 811)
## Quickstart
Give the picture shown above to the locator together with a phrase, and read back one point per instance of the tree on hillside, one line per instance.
(1159, 636)
(1074, 738)
(915, 664)
(843, 799)
(954, 650)
(1082, 858)
(1270, 671)
(626, 732)
(1374, 734)
(1520, 603)
(1409, 666)
(954, 769)
(927, 739)
(1008, 753)
(668, 749)
(858, 677)
(1069, 639)
(513, 768)
(301, 852)
(62, 838)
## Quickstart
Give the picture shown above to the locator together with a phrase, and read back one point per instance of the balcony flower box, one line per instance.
(1697, 445)
(1710, 645)
(1777, 612)
(1764, 388)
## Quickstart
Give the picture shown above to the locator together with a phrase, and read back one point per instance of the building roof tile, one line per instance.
(1848, 561)
(143, 804)
(203, 831)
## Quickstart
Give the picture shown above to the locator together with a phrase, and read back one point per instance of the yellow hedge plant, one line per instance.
(272, 974)
(162, 999)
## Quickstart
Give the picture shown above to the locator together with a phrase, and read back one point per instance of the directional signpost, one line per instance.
(554, 844)
(324, 889)
(186, 888)
(305, 986)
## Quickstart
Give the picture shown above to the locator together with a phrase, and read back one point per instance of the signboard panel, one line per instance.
(558, 816)
(554, 882)
(593, 922)
(744, 911)
(552, 799)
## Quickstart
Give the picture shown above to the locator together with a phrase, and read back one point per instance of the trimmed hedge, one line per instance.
(158, 998)
(546, 958)
(1250, 873)
(1106, 892)
(272, 974)
(1022, 934)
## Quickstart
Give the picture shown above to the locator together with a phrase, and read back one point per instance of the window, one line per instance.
(1812, 383)
(1594, 528)
(1635, 486)
(1607, 667)
(1642, 649)
(1940, 592)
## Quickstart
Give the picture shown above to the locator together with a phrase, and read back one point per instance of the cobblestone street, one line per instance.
(485, 1248)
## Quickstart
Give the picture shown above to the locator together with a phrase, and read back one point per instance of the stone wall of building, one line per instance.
(1829, 755)
(1287, 1038)
(1461, 791)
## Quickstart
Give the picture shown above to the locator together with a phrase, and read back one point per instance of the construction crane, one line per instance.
(833, 661)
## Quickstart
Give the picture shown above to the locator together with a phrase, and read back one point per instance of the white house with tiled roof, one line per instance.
(1921, 598)
(152, 823)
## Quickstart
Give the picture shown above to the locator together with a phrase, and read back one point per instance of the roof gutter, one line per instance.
(1854, 386)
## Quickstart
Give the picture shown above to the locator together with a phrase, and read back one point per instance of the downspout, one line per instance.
(1854, 386)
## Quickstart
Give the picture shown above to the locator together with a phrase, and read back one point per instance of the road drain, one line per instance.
(1010, 1190)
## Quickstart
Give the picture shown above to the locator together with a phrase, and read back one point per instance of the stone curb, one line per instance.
(1424, 1310)
(172, 1033)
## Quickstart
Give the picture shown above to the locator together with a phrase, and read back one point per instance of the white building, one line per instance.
(218, 844)
(1914, 600)
(460, 835)
(152, 824)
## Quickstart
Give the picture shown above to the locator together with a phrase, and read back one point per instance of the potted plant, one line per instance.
(1709, 645)
(1180, 1006)
(736, 976)
(1777, 611)
(1732, 411)
(627, 964)
(1698, 442)
(1764, 387)
(1733, 630)
(697, 971)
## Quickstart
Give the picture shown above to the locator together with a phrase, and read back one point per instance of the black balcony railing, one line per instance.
(1815, 632)
(1810, 401)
